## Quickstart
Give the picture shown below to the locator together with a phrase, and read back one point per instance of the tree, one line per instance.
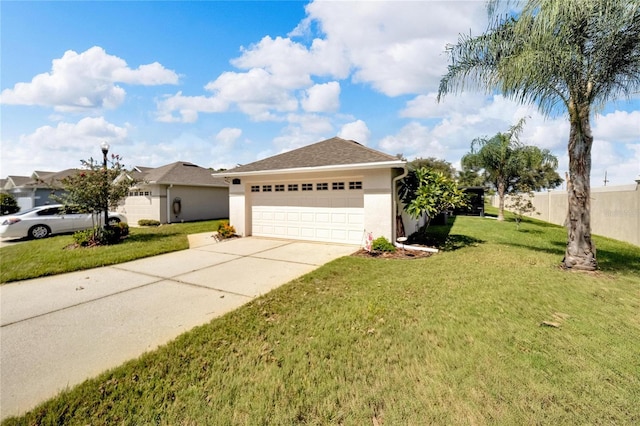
(8, 204)
(470, 176)
(569, 56)
(433, 164)
(521, 204)
(428, 194)
(94, 187)
(410, 183)
(509, 166)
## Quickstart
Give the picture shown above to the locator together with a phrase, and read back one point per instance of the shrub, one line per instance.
(382, 244)
(226, 231)
(148, 222)
(8, 204)
(101, 236)
(84, 238)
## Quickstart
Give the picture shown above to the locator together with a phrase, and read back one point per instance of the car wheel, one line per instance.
(39, 231)
(113, 221)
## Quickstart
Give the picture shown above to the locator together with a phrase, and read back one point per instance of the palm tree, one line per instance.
(569, 56)
(510, 166)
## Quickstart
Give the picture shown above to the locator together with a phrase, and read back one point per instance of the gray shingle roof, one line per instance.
(180, 173)
(330, 152)
(19, 180)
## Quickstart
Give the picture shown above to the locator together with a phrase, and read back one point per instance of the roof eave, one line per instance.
(315, 169)
(210, 185)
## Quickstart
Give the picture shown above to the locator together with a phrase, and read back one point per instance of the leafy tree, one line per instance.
(434, 164)
(470, 176)
(569, 56)
(93, 187)
(411, 182)
(520, 203)
(8, 204)
(508, 165)
(435, 193)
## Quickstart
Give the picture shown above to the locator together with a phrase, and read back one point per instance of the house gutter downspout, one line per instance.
(394, 204)
(169, 203)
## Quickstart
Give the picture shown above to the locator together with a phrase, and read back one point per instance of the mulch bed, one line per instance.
(398, 254)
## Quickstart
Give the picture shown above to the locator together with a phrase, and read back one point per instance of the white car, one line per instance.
(40, 222)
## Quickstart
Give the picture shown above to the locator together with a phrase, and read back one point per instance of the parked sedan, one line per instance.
(40, 222)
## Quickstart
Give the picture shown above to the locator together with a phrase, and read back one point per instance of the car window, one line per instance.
(50, 211)
(20, 213)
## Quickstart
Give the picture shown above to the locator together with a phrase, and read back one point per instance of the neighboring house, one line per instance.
(335, 191)
(177, 192)
(37, 189)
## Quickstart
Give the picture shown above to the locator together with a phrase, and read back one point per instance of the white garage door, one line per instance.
(334, 213)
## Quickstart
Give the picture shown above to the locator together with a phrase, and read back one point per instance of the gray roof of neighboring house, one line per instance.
(43, 179)
(18, 180)
(39, 179)
(330, 152)
(178, 173)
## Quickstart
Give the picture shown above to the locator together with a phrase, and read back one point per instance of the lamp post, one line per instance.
(104, 146)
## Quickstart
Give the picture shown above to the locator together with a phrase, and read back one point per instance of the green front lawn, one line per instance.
(50, 256)
(456, 338)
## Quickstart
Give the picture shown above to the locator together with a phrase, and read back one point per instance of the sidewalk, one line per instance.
(58, 331)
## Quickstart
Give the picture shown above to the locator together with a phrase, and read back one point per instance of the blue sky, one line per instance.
(226, 83)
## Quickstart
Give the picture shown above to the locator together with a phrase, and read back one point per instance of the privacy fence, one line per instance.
(615, 210)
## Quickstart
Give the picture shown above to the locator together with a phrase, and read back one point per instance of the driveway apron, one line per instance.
(58, 331)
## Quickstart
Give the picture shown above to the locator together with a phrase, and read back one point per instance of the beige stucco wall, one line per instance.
(144, 207)
(377, 199)
(196, 203)
(615, 210)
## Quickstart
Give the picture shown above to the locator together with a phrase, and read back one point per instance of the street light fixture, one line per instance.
(104, 146)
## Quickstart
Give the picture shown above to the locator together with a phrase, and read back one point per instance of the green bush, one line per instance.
(148, 222)
(101, 236)
(84, 238)
(8, 204)
(382, 244)
(225, 230)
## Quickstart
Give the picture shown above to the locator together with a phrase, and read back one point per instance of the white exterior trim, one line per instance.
(332, 168)
(377, 194)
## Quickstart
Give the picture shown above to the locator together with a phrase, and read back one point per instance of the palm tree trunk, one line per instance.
(501, 189)
(581, 251)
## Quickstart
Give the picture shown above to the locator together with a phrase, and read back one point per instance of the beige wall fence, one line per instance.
(615, 210)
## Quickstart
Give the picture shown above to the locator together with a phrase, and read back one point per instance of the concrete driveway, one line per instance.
(58, 331)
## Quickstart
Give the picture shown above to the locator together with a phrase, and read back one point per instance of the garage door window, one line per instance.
(279, 188)
(255, 188)
(355, 185)
(266, 188)
(322, 186)
(307, 187)
(293, 187)
(337, 186)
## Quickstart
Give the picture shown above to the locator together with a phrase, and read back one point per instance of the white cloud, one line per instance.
(228, 136)
(619, 126)
(322, 97)
(292, 63)
(621, 163)
(427, 106)
(256, 93)
(397, 47)
(84, 81)
(302, 129)
(413, 140)
(188, 107)
(62, 146)
(357, 131)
